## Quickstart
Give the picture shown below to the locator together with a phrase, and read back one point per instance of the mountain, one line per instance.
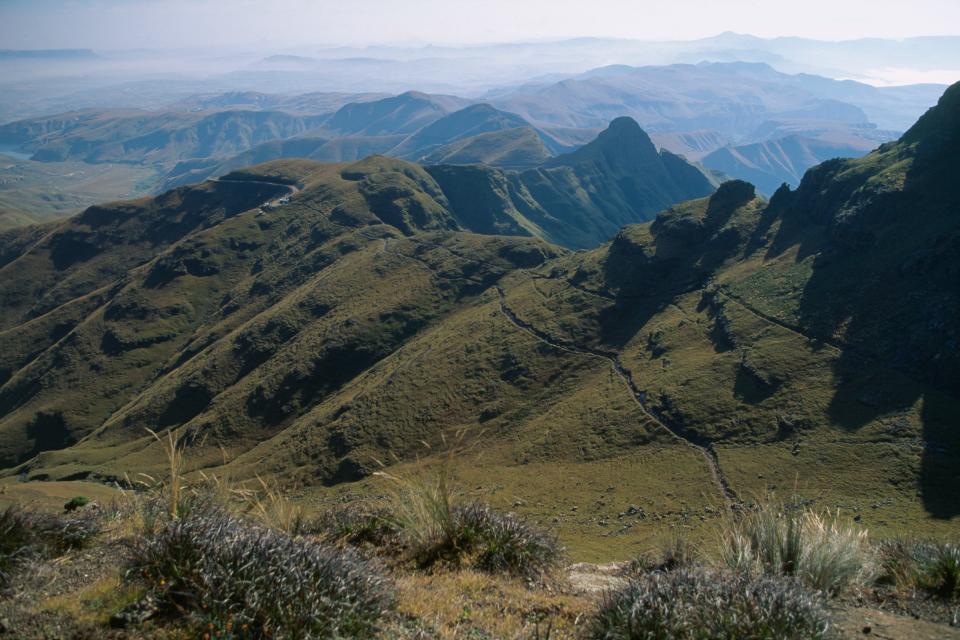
(32, 192)
(470, 121)
(192, 171)
(116, 290)
(516, 148)
(402, 114)
(729, 347)
(794, 338)
(477, 133)
(578, 199)
(730, 99)
(693, 145)
(774, 162)
(307, 103)
(137, 137)
(52, 55)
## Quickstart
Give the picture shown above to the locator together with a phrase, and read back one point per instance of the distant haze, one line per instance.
(125, 24)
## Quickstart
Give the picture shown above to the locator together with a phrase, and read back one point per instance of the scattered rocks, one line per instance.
(136, 613)
(586, 578)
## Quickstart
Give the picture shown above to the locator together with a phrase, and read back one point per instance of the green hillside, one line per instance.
(729, 347)
(517, 148)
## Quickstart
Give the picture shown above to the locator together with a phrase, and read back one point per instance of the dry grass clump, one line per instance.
(224, 571)
(793, 540)
(696, 603)
(25, 534)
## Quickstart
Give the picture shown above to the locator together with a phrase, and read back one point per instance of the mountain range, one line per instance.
(312, 319)
(746, 120)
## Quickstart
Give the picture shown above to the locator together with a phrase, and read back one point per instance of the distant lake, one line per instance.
(11, 150)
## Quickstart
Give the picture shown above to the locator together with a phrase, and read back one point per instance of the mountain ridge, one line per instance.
(362, 318)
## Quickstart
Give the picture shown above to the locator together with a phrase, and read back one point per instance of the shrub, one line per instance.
(62, 533)
(502, 542)
(422, 508)
(220, 568)
(74, 503)
(793, 540)
(692, 603)
(896, 565)
(356, 525)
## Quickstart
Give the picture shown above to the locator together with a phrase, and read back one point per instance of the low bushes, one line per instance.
(225, 571)
(695, 603)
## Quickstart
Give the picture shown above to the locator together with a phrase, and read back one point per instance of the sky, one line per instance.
(125, 24)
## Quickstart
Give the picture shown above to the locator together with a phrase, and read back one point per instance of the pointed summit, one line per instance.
(622, 144)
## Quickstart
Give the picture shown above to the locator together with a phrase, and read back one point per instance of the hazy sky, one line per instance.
(113, 24)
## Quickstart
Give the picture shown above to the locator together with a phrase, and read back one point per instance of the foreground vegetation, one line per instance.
(201, 556)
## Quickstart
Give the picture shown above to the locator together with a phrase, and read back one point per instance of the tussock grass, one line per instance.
(933, 567)
(695, 603)
(175, 495)
(268, 504)
(25, 534)
(677, 553)
(222, 570)
(357, 525)
(503, 542)
(938, 569)
(435, 526)
(173, 451)
(793, 540)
